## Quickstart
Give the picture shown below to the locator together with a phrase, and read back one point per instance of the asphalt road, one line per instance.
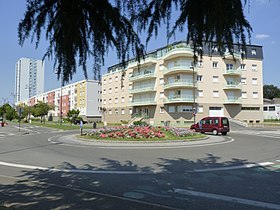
(41, 168)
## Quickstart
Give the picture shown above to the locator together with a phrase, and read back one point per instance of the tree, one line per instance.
(85, 28)
(72, 115)
(271, 91)
(7, 112)
(41, 109)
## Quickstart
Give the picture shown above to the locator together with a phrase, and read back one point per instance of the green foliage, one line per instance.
(271, 91)
(41, 109)
(72, 115)
(7, 112)
(140, 123)
(84, 29)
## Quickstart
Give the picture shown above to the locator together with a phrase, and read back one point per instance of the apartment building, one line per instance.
(167, 89)
(84, 96)
(29, 78)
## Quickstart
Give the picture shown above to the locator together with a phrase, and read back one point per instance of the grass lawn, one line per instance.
(64, 126)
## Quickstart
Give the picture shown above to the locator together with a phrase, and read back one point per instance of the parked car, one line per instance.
(213, 125)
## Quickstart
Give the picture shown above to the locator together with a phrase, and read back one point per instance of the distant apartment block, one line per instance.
(29, 78)
(167, 89)
(84, 96)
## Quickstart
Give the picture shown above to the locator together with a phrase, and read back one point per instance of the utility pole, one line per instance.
(194, 106)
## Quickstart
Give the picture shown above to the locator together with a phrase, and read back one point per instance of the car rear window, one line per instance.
(224, 121)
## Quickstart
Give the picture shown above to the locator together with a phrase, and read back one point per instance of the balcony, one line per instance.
(149, 59)
(232, 72)
(179, 69)
(178, 50)
(179, 99)
(143, 76)
(142, 89)
(236, 55)
(143, 102)
(179, 83)
(233, 100)
(233, 86)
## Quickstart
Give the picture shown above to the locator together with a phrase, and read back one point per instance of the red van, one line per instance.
(214, 125)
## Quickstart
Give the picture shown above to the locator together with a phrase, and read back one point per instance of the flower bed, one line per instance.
(139, 132)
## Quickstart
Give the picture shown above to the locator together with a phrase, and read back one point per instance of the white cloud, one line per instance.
(262, 36)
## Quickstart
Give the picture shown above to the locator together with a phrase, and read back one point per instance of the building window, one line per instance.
(229, 66)
(215, 93)
(130, 86)
(104, 101)
(116, 111)
(161, 67)
(255, 95)
(199, 78)
(110, 111)
(200, 63)
(161, 109)
(171, 109)
(116, 100)
(161, 81)
(243, 81)
(110, 80)
(254, 52)
(215, 79)
(244, 94)
(200, 93)
(243, 66)
(271, 108)
(250, 108)
(122, 111)
(116, 78)
(130, 98)
(265, 108)
(161, 95)
(122, 99)
(110, 90)
(110, 101)
(116, 89)
(215, 64)
(254, 81)
(254, 67)
(104, 91)
(200, 109)
(130, 111)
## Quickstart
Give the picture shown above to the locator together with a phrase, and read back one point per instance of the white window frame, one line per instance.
(215, 64)
(216, 94)
(244, 94)
(215, 79)
(255, 95)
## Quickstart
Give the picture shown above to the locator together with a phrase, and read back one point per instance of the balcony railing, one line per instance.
(179, 68)
(178, 50)
(142, 102)
(232, 72)
(236, 55)
(233, 85)
(233, 100)
(142, 76)
(151, 58)
(142, 89)
(179, 99)
(179, 83)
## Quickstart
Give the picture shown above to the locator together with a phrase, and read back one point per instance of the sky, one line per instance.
(263, 15)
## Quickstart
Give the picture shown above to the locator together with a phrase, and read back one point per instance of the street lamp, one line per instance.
(194, 106)
(60, 100)
(27, 87)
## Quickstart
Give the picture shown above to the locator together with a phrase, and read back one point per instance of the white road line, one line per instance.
(251, 165)
(73, 170)
(227, 198)
(97, 193)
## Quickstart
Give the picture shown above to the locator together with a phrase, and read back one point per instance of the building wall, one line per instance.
(74, 96)
(29, 78)
(167, 88)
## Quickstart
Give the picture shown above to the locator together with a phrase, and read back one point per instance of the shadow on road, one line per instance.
(66, 190)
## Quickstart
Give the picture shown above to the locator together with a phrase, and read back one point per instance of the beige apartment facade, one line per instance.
(167, 89)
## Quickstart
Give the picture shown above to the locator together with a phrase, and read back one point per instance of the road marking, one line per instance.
(226, 198)
(97, 193)
(250, 165)
(15, 165)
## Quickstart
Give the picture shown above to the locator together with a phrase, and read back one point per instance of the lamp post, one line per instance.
(103, 109)
(27, 87)
(194, 106)
(60, 100)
